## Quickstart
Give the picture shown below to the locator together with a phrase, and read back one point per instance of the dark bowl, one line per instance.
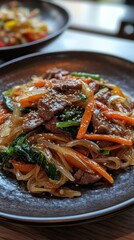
(17, 204)
(55, 16)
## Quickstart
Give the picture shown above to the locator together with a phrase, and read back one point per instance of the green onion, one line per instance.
(105, 152)
(86, 75)
(67, 124)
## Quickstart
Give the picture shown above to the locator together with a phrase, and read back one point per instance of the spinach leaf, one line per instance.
(7, 99)
(21, 149)
(8, 102)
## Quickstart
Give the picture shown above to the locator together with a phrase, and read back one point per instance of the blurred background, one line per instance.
(106, 17)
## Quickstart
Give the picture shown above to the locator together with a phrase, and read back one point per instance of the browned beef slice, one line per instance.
(94, 86)
(31, 121)
(51, 105)
(132, 105)
(102, 125)
(51, 126)
(85, 178)
(103, 96)
(55, 73)
(69, 84)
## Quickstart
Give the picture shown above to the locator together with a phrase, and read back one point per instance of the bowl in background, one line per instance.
(55, 16)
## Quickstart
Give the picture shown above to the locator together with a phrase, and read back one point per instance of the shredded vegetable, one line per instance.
(65, 127)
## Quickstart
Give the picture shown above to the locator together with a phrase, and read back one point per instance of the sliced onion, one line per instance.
(110, 162)
(49, 136)
(85, 143)
(66, 151)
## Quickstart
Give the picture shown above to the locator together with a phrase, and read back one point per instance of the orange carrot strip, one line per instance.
(102, 106)
(96, 167)
(3, 118)
(118, 116)
(109, 113)
(87, 80)
(30, 100)
(39, 83)
(110, 148)
(3, 111)
(4, 114)
(110, 138)
(42, 83)
(116, 89)
(86, 116)
(88, 162)
(21, 166)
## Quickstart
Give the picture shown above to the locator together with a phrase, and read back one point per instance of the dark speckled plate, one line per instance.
(96, 202)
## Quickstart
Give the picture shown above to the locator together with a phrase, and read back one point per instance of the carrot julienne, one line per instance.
(102, 106)
(86, 116)
(39, 83)
(87, 162)
(30, 100)
(113, 147)
(109, 138)
(96, 167)
(87, 80)
(22, 167)
(4, 114)
(116, 89)
(42, 83)
(118, 116)
(109, 113)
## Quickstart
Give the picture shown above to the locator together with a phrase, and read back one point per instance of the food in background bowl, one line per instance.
(19, 25)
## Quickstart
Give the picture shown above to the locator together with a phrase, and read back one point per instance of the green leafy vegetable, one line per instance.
(70, 119)
(22, 150)
(8, 102)
(83, 97)
(105, 152)
(67, 124)
(73, 114)
(7, 99)
(86, 75)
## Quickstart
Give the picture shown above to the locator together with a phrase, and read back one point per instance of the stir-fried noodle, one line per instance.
(65, 127)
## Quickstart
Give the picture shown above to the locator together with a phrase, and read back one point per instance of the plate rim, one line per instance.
(71, 218)
(37, 54)
(78, 217)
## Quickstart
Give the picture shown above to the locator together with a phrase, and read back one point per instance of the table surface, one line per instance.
(118, 227)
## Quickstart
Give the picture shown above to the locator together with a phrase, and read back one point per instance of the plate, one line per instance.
(17, 204)
(56, 17)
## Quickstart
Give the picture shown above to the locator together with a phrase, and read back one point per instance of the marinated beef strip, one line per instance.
(94, 86)
(31, 120)
(101, 125)
(55, 73)
(51, 105)
(103, 96)
(84, 178)
(63, 94)
(51, 126)
(66, 84)
(104, 126)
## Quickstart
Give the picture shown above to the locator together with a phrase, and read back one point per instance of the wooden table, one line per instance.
(118, 227)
